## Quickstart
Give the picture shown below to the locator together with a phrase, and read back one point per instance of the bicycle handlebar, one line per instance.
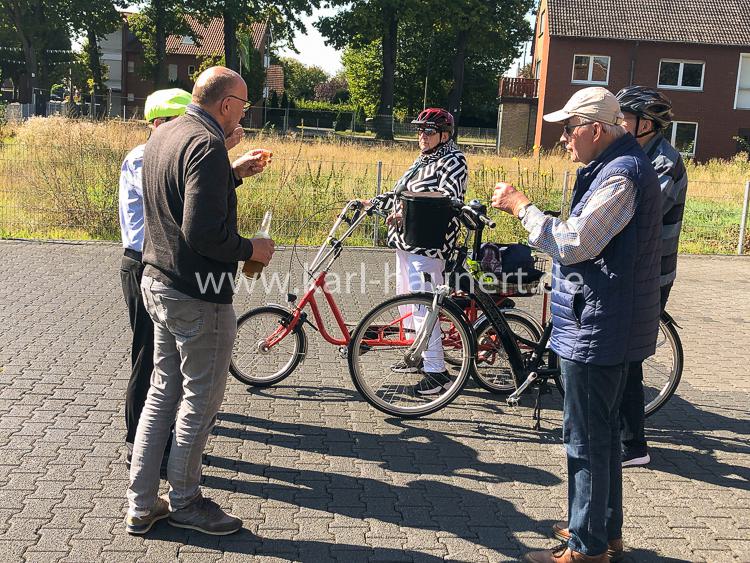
(475, 210)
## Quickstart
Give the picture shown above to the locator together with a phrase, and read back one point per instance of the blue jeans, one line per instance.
(591, 432)
(193, 342)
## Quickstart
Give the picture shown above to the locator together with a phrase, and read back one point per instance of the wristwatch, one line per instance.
(522, 211)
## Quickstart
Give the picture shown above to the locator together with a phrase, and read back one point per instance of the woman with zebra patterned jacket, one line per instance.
(441, 167)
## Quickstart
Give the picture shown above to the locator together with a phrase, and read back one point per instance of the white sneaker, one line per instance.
(634, 461)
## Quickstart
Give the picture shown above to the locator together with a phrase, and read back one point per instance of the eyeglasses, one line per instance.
(427, 131)
(247, 104)
(568, 128)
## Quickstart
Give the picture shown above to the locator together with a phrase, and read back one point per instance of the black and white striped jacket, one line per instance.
(443, 171)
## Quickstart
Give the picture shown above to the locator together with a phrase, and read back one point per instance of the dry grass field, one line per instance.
(59, 179)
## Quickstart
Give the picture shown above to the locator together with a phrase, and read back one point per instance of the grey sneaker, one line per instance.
(206, 516)
(138, 526)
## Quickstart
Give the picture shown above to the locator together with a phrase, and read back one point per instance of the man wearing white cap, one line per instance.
(605, 308)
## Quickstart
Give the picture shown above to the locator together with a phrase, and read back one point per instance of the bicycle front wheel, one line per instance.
(265, 350)
(379, 346)
(491, 369)
(662, 371)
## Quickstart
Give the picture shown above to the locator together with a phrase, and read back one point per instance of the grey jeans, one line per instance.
(193, 342)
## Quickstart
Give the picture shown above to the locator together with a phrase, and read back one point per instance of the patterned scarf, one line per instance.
(422, 160)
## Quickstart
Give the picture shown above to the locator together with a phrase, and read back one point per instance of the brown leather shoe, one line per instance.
(615, 548)
(563, 554)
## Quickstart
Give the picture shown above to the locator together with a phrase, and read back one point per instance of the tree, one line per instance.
(360, 23)
(95, 20)
(283, 16)
(332, 90)
(158, 20)
(363, 75)
(474, 24)
(300, 80)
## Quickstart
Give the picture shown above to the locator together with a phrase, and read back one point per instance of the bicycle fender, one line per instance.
(299, 328)
(454, 308)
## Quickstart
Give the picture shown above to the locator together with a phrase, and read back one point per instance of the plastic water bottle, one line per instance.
(253, 268)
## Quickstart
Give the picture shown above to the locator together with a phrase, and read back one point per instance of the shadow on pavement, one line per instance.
(475, 516)
(246, 543)
(414, 450)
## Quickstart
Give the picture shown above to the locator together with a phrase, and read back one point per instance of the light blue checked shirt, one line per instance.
(581, 238)
(131, 200)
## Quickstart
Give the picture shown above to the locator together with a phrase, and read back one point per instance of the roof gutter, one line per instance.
(633, 59)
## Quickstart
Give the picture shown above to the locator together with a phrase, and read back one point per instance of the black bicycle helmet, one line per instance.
(646, 103)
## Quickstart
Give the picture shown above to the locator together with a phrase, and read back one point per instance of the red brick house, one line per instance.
(696, 51)
(183, 58)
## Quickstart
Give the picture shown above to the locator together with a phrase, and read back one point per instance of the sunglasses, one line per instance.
(427, 131)
(247, 104)
(568, 128)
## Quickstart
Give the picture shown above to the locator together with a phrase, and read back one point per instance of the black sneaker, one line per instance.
(433, 383)
(204, 515)
(401, 367)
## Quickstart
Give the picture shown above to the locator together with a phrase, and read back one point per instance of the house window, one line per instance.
(172, 73)
(191, 70)
(742, 96)
(538, 69)
(683, 75)
(187, 40)
(683, 136)
(541, 23)
(131, 66)
(590, 69)
(266, 61)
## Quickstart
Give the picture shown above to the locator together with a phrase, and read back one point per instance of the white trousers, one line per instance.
(421, 273)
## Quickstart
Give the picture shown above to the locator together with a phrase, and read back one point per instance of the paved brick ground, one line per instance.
(316, 473)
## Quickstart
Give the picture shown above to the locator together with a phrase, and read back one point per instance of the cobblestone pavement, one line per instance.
(315, 473)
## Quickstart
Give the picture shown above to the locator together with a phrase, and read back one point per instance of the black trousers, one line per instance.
(142, 349)
(632, 419)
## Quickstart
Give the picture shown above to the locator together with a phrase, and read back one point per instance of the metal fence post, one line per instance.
(743, 221)
(378, 188)
(564, 200)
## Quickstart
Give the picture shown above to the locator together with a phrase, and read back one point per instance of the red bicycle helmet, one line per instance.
(438, 118)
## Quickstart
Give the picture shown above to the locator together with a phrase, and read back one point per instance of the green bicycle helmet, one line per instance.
(166, 103)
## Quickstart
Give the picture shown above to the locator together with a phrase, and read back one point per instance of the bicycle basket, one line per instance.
(509, 269)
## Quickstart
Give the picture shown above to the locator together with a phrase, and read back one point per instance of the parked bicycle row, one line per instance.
(454, 316)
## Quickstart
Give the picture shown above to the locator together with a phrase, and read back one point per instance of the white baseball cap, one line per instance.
(594, 103)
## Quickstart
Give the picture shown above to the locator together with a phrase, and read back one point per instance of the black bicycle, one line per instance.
(504, 350)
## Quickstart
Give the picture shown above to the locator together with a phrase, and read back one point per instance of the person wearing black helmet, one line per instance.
(440, 167)
(648, 113)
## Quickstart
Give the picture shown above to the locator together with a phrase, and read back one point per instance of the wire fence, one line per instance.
(283, 121)
(70, 191)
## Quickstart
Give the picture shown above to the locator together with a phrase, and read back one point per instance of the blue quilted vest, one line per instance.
(605, 311)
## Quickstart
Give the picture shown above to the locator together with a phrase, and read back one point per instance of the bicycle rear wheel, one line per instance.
(265, 351)
(380, 343)
(662, 371)
(491, 370)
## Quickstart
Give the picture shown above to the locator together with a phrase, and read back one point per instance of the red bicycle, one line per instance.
(271, 340)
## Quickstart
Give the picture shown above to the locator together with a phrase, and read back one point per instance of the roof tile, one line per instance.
(711, 22)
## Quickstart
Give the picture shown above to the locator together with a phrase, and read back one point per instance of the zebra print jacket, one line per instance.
(443, 171)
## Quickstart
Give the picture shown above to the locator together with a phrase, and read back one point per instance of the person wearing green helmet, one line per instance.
(191, 250)
(161, 106)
